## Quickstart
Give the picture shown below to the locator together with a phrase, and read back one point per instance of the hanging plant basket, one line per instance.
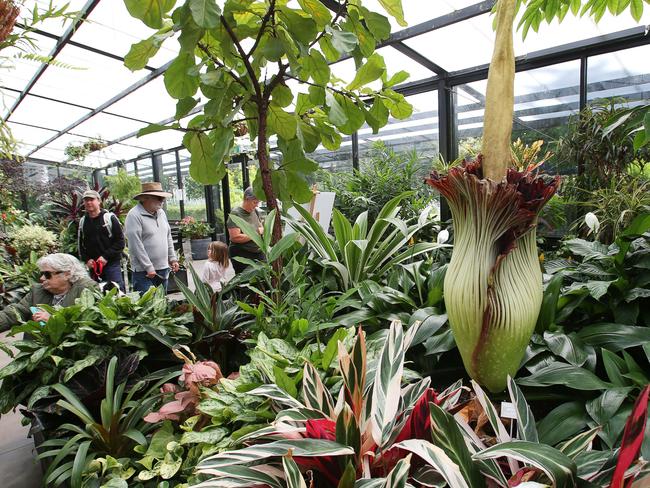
(8, 15)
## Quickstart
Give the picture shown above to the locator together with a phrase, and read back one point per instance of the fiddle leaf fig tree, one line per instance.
(267, 64)
(493, 286)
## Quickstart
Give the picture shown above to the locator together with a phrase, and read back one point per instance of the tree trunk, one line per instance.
(265, 168)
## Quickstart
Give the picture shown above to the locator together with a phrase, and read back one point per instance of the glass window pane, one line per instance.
(22, 70)
(150, 102)
(622, 74)
(94, 80)
(46, 113)
(107, 127)
(112, 29)
(52, 26)
(29, 137)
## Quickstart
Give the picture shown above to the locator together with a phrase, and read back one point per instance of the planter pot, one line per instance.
(200, 248)
(180, 275)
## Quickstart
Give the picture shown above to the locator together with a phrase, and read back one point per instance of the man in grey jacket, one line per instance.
(149, 237)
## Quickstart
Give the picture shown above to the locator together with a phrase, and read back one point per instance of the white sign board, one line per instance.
(320, 207)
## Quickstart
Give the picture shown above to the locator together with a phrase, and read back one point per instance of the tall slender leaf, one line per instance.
(525, 420)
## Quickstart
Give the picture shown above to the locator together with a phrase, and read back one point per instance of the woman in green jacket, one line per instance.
(62, 280)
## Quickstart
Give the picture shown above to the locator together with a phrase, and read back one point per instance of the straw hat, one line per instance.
(153, 188)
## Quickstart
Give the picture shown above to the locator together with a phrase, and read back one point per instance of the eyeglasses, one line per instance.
(48, 274)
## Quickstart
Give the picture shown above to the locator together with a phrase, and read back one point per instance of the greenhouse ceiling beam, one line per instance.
(593, 46)
(440, 22)
(80, 45)
(60, 44)
(138, 84)
(418, 58)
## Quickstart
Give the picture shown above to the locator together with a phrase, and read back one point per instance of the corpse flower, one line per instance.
(493, 286)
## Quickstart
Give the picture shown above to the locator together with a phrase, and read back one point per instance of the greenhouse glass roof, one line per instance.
(49, 107)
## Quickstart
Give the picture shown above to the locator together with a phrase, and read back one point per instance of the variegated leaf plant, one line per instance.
(365, 436)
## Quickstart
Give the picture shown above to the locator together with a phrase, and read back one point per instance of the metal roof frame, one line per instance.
(572, 51)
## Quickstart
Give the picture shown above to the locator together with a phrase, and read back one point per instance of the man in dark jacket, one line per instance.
(101, 241)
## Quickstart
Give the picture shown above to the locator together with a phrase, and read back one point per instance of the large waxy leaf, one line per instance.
(343, 41)
(614, 337)
(569, 347)
(297, 447)
(203, 168)
(178, 80)
(437, 458)
(525, 420)
(386, 392)
(149, 11)
(317, 11)
(205, 13)
(394, 8)
(314, 393)
(559, 467)
(141, 52)
(562, 422)
(565, 374)
(369, 72)
(282, 123)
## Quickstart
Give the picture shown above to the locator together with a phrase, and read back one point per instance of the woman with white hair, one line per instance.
(63, 278)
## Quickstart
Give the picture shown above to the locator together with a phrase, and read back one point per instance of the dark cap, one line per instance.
(249, 194)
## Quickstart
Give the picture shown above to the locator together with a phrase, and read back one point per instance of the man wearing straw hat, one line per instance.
(149, 237)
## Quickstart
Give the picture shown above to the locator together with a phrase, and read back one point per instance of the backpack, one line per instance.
(108, 225)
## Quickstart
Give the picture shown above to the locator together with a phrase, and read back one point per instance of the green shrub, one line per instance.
(33, 238)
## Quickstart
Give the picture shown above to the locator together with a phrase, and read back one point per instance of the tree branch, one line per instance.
(265, 19)
(342, 8)
(340, 92)
(216, 61)
(244, 58)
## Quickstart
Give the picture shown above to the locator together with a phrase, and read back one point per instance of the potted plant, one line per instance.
(199, 234)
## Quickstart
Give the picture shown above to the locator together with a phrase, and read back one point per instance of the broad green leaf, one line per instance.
(344, 42)
(317, 11)
(303, 29)
(394, 8)
(396, 79)
(546, 316)
(284, 381)
(377, 116)
(273, 49)
(140, 54)
(614, 337)
(92, 357)
(153, 128)
(178, 80)
(369, 72)
(205, 13)
(316, 67)
(281, 96)
(308, 136)
(344, 113)
(378, 24)
(202, 166)
(603, 408)
(397, 104)
(561, 469)
(562, 422)
(569, 347)
(151, 12)
(183, 107)
(565, 374)
(282, 123)
(276, 394)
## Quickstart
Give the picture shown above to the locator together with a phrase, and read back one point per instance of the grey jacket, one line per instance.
(149, 239)
(40, 296)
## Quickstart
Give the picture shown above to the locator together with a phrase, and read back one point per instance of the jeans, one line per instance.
(141, 283)
(113, 272)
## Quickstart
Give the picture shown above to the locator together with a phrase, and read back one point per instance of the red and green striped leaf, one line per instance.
(632, 439)
(353, 369)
